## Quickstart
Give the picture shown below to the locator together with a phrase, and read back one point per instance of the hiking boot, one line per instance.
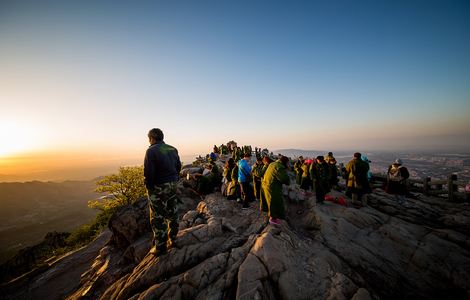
(245, 206)
(274, 221)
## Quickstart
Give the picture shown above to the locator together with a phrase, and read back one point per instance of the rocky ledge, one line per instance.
(420, 250)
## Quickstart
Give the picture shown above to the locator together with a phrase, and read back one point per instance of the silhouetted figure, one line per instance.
(320, 173)
(161, 173)
(357, 184)
(396, 180)
(331, 161)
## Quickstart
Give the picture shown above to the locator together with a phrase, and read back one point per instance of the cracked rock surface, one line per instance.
(420, 250)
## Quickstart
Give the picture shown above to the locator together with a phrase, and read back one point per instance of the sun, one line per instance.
(14, 139)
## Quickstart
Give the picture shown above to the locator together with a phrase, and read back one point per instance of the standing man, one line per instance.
(357, 184)
(320, 173)
(244, 178)
(161, 171)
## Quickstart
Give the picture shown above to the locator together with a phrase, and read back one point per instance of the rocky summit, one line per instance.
(419, 250)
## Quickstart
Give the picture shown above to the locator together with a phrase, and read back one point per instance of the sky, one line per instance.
(82, 82)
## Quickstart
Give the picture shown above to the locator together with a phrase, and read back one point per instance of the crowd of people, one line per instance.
(262, 181)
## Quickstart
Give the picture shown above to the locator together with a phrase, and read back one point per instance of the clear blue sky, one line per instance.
(329, 75)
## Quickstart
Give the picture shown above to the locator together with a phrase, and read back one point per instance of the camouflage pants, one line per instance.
(163, 214)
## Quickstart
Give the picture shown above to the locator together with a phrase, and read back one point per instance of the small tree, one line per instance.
(122, 188)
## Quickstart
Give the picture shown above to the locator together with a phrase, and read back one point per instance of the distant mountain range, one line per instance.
(294, 153)
(28, 211)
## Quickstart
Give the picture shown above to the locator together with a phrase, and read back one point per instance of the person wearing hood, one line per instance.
(367, 161)
(275, 176)
(397, 176)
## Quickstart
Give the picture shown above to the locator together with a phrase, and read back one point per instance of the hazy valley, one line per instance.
(29, 210)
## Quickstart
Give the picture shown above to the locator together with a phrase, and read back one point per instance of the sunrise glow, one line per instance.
(15, 139)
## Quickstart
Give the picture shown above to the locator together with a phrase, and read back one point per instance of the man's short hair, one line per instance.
(156, 134)
(357, 155)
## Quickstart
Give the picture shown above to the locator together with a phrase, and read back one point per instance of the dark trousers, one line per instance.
(247, 192)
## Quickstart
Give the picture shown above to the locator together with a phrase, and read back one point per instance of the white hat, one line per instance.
(397, 162)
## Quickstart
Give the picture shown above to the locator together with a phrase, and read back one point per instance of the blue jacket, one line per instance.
(161, 165)
(244, 170)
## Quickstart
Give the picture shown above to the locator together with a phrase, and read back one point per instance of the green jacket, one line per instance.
(257, 170)
(320, 173)
(274, 178)
(298, 171)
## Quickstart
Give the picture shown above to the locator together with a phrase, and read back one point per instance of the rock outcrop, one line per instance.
(382, 251)
(420, 250)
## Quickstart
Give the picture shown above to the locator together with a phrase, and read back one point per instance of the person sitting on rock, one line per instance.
(275, 176)
(227, 175)
(207, 180)
(233, 188)
(396, 180)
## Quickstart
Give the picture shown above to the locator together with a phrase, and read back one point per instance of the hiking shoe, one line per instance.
(239, 200)
(245, 206)
(274, 221)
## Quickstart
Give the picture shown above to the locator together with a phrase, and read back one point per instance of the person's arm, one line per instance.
(247, 169)
(149, 171)
(178, 162)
